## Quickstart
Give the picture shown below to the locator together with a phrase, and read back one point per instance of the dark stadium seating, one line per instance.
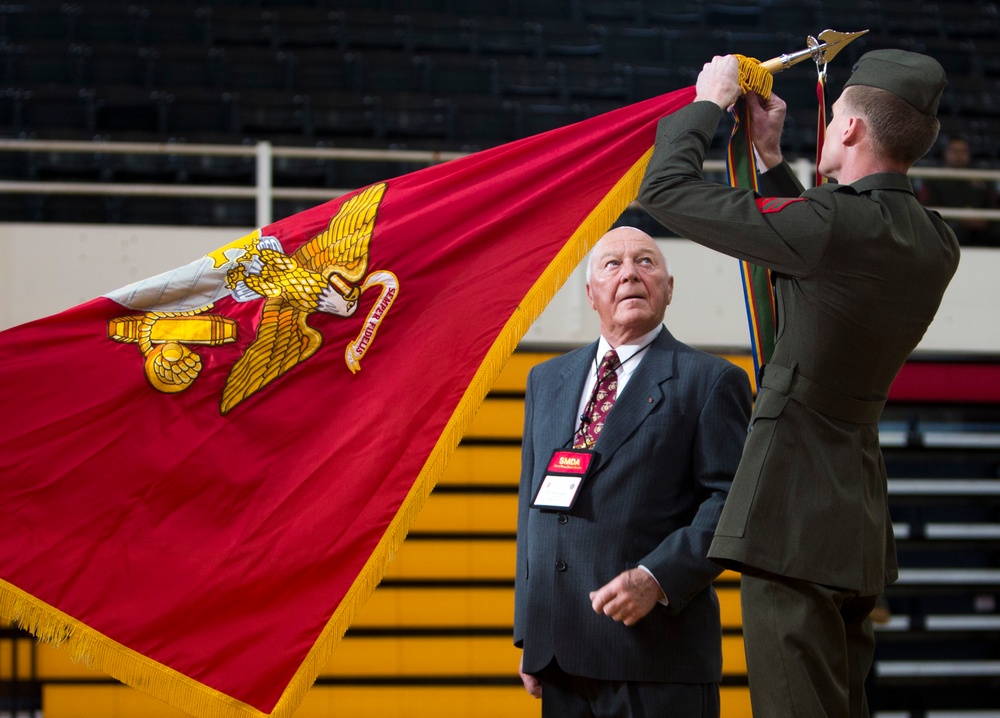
(442, 48)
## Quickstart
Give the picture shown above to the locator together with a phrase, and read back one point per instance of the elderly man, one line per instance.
(614, 606)
(860, 270)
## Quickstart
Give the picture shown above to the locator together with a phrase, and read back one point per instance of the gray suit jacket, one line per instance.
(668, 452)
(860, 272)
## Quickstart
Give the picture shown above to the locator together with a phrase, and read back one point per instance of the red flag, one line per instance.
(204, 475)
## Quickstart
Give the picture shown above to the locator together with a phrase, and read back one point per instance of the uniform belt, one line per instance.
(825, 401)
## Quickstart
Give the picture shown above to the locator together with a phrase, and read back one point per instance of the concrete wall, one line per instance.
(45, 268)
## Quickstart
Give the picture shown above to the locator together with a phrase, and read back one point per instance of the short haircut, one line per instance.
(899, 130)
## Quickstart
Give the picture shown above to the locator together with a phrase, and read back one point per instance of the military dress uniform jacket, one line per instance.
(668, 452)
(860, 271)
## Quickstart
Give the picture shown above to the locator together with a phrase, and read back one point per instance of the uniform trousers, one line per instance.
(568, 696)
(809, 647)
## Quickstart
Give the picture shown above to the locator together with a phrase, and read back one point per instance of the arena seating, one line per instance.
(264, 70)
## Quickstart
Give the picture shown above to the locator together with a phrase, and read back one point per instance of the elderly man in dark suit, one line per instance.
(860, 271)
(614, 606)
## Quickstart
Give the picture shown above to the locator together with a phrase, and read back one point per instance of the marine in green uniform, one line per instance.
(860, 270)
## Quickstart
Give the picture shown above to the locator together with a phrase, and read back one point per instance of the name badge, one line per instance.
(565, 474)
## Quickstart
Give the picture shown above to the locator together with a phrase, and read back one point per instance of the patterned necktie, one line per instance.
(605, 394)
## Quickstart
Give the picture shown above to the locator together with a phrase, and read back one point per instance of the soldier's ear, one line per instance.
(854, 131)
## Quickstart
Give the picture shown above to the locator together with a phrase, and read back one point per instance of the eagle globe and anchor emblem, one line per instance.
(327, 274)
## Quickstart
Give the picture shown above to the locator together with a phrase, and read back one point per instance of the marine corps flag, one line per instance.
(204, 475)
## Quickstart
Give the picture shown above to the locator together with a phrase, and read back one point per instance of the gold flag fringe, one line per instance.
(92, 648)
(96, 650)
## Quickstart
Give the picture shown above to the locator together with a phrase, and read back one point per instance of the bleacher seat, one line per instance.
(114, 63)
(638, 44)
(692, 47)
(527, 77)
(129, 108)
(433, 32)
(760, 44)
(303, 172)
(42, 21)
(799, 18)
(42, 62)
(537, 117)
(76, 209)
(268, 112)
(609, 12)
(67, 166)
(306, 26)
(317, 69)
(597, 79)
(485, 121)
(672, 14)
(373, 29)
(508, 37)
(461, 74)
(382, 71)
(654, 80)
(99, 22)
(406, 115)
(194, 109)
(338, 113)
(734, 14)
(235, 26)
(57, 107)
(569, 39)
(971, 20)
(151, 210)
(257, 68)
(193, 65)
(142, 168)
(227, 213)
(175, 23)
(903, 17)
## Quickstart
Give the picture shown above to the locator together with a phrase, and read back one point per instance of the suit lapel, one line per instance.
(642, 394)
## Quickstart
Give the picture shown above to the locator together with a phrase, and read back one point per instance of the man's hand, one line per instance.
(628, 597)
(719, 81)
(767, 118)
(531, 684)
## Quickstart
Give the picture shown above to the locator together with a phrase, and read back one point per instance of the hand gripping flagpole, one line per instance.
(756, 76)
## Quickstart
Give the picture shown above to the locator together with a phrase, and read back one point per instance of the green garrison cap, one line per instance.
(916, 78)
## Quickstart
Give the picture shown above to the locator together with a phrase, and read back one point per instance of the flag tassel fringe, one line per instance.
(93, 649)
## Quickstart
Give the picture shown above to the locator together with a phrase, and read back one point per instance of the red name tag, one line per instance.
(566, 472)
(571, 462)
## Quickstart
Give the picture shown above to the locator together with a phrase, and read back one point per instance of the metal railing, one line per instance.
(263, 192)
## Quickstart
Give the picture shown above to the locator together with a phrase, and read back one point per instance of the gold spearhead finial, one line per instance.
(821, 50)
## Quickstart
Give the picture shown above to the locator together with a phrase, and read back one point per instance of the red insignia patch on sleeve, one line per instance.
(766, 205)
